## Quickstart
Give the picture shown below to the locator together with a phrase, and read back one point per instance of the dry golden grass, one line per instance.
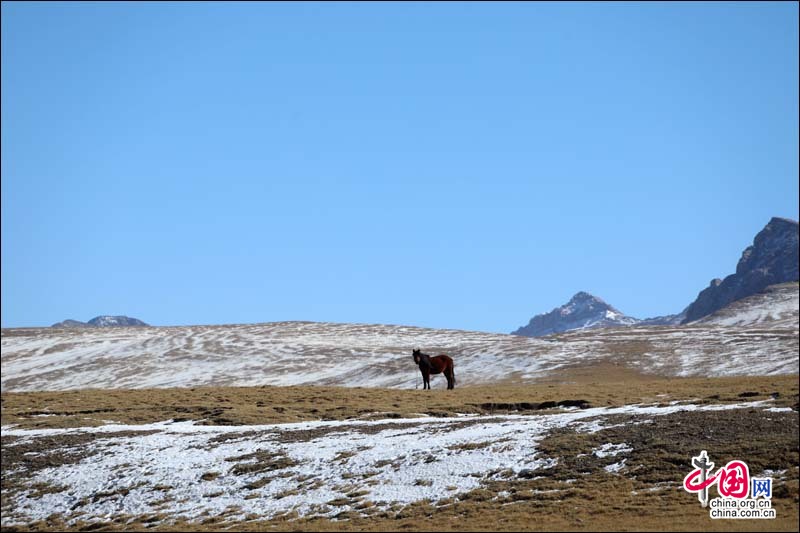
(603, 385)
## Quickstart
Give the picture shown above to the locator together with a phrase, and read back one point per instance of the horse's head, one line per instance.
(417, 354)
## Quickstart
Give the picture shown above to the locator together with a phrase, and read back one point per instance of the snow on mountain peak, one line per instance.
(102, 321)
(583, 311)
(112, 321)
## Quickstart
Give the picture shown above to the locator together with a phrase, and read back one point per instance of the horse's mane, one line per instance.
(425, 359)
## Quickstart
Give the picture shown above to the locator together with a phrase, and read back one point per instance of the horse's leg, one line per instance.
(451, 377)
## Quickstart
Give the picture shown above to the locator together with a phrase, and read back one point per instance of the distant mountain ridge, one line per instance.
(102, 321)
(70, 323)
(771, 260)
(666, 320)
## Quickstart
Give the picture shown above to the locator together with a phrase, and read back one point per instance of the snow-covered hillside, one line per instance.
(777, 306)
(292, 353)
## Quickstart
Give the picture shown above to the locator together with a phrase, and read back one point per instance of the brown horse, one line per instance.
(435, 365)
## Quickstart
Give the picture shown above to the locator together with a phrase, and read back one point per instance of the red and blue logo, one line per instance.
(732, 480)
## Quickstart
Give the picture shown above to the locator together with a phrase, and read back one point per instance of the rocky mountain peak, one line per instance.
(582, 311)
(771, 259)
(583, 303)
(769, 247)
(582, 296)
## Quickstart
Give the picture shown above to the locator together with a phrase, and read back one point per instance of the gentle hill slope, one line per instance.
(294, 353)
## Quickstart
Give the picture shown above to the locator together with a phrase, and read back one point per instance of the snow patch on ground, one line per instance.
(615, 467)
(610, 450)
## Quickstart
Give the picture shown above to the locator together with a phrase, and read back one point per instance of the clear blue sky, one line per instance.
(458, 165)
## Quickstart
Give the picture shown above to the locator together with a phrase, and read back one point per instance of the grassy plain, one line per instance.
(578, 494)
